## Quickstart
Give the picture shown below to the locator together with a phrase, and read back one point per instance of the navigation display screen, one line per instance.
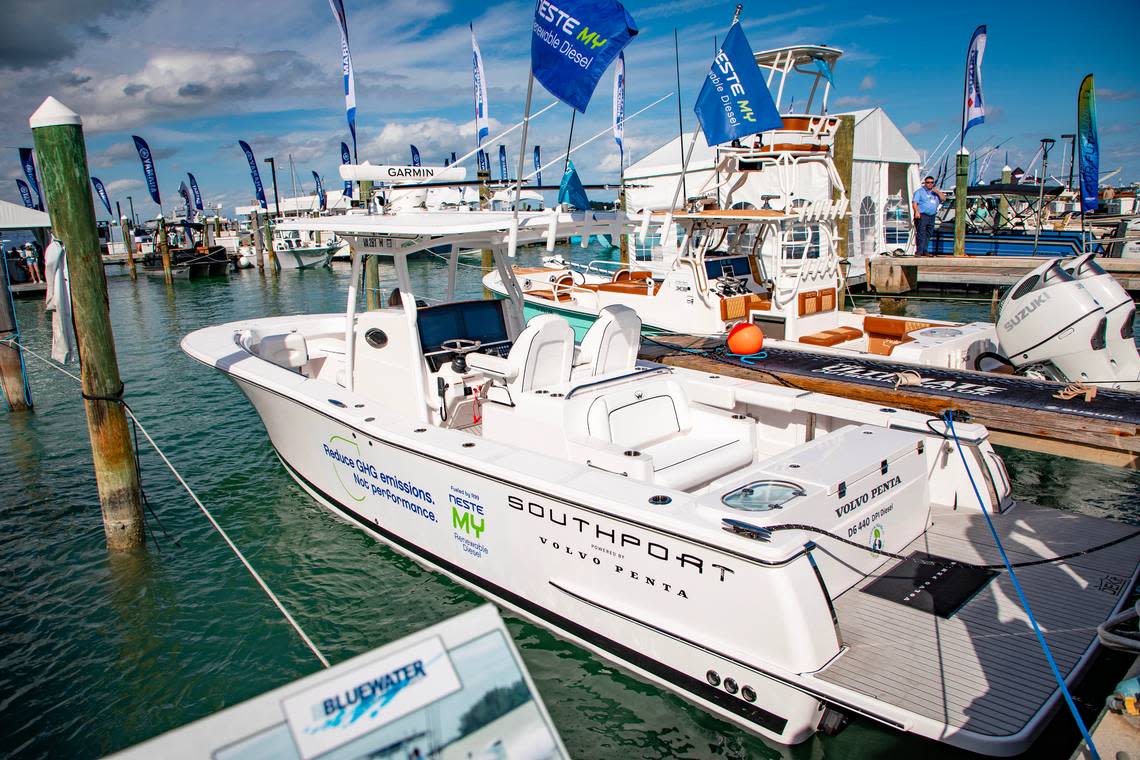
(474, 320)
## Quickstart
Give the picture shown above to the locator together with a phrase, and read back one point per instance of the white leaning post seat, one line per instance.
(287, 350)
(540, 358)
(684, 447)
(611, 344)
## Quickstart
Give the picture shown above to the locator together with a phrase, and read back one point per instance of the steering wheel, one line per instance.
(461, 345)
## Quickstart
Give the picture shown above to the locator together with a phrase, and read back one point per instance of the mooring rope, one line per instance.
(221, 531)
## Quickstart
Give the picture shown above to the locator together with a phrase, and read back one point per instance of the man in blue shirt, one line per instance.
(926, 201)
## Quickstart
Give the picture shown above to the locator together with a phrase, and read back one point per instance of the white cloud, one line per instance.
(851, 101)
(123, 184)
(868, 83)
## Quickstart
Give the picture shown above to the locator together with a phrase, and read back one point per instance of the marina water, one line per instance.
(104, 651)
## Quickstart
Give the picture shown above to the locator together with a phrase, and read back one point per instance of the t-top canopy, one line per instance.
(797, 55)
(471, 229)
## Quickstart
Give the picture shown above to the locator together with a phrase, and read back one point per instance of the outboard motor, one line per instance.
(1121, 314)
(1049, 319)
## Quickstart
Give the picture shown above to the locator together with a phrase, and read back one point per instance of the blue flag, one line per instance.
(257, 186)
(197, 193)
(503, 162)
(346, 158)
(101, 191)
(147, 159)
(537, 165)
(453, 157)
(28, 161)
(25, 193)
(320, 190)
(974, 109)
(446, 162)
(484, 162)
(346, 69)
(571, 191)
(734, 101)
(574, 42)
(185, 193)
(415, 156)
(1088, 145)
(619, 109)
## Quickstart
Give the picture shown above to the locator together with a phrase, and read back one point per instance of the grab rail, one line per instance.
(628, 376)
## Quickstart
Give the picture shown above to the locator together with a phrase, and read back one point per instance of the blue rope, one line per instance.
(949, 418)
(749, 359)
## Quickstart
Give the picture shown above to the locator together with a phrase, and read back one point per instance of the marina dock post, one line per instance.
(258, 243)
(268, 242)
(1003, 199)
(371, 263)
(12, 378)
(961, 167)
(128, 241)
(843, 154)
(164, 250)
(58, 135)
(488, 257)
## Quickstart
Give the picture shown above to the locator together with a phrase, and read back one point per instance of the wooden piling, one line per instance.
(258, 243)
(58, 135)
(623, 239)
(1003, 200)
(272, 254)
(488, 256)
(961, 167)
(128, 241)
(12, 378)
(843, 154)
(164, 250)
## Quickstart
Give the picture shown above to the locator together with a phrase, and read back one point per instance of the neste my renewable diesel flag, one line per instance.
(573, 43)
(734, 101)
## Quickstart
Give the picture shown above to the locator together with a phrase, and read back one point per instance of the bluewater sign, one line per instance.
(573, 43)
(360, 701)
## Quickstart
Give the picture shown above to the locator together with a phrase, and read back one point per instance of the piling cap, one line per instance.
(52, 113)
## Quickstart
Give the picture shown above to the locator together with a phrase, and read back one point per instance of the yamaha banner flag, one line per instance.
(25, 193)
(734, 101)
(320, 190)
(482, 115)
(573, 43)
(1088, 145)
(346, 158)
(196, 192)
(257, 186)
(537, 165)
(185, 193)
(484, 162)
(973, 108)
(503, 162)
(619, 108)
(28, 161)
(415, 156)
(346, 68)
(147, 159)
(101, 191)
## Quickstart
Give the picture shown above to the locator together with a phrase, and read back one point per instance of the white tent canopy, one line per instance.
(15, 217)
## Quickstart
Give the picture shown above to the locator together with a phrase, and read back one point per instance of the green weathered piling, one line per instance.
(128, 240)
(485, 195)
(58, 134)
(12, 383)
(961, 167)
(163, 243)
(843, 153)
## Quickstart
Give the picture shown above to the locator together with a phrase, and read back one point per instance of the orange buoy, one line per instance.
(745, 338)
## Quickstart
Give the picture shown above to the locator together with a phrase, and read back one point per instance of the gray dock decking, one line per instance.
(983, 670)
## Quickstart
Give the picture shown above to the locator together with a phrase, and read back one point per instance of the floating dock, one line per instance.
(28, 290)
(1018, 411)
(891, 275)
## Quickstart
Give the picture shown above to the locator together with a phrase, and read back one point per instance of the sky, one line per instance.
(194, 77)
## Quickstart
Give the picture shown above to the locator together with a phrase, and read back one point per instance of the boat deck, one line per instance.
(981, 670)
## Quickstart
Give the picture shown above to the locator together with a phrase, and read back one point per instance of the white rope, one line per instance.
(225, 537)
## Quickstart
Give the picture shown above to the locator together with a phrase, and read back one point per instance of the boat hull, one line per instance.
(304, 258)
(414, 503)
